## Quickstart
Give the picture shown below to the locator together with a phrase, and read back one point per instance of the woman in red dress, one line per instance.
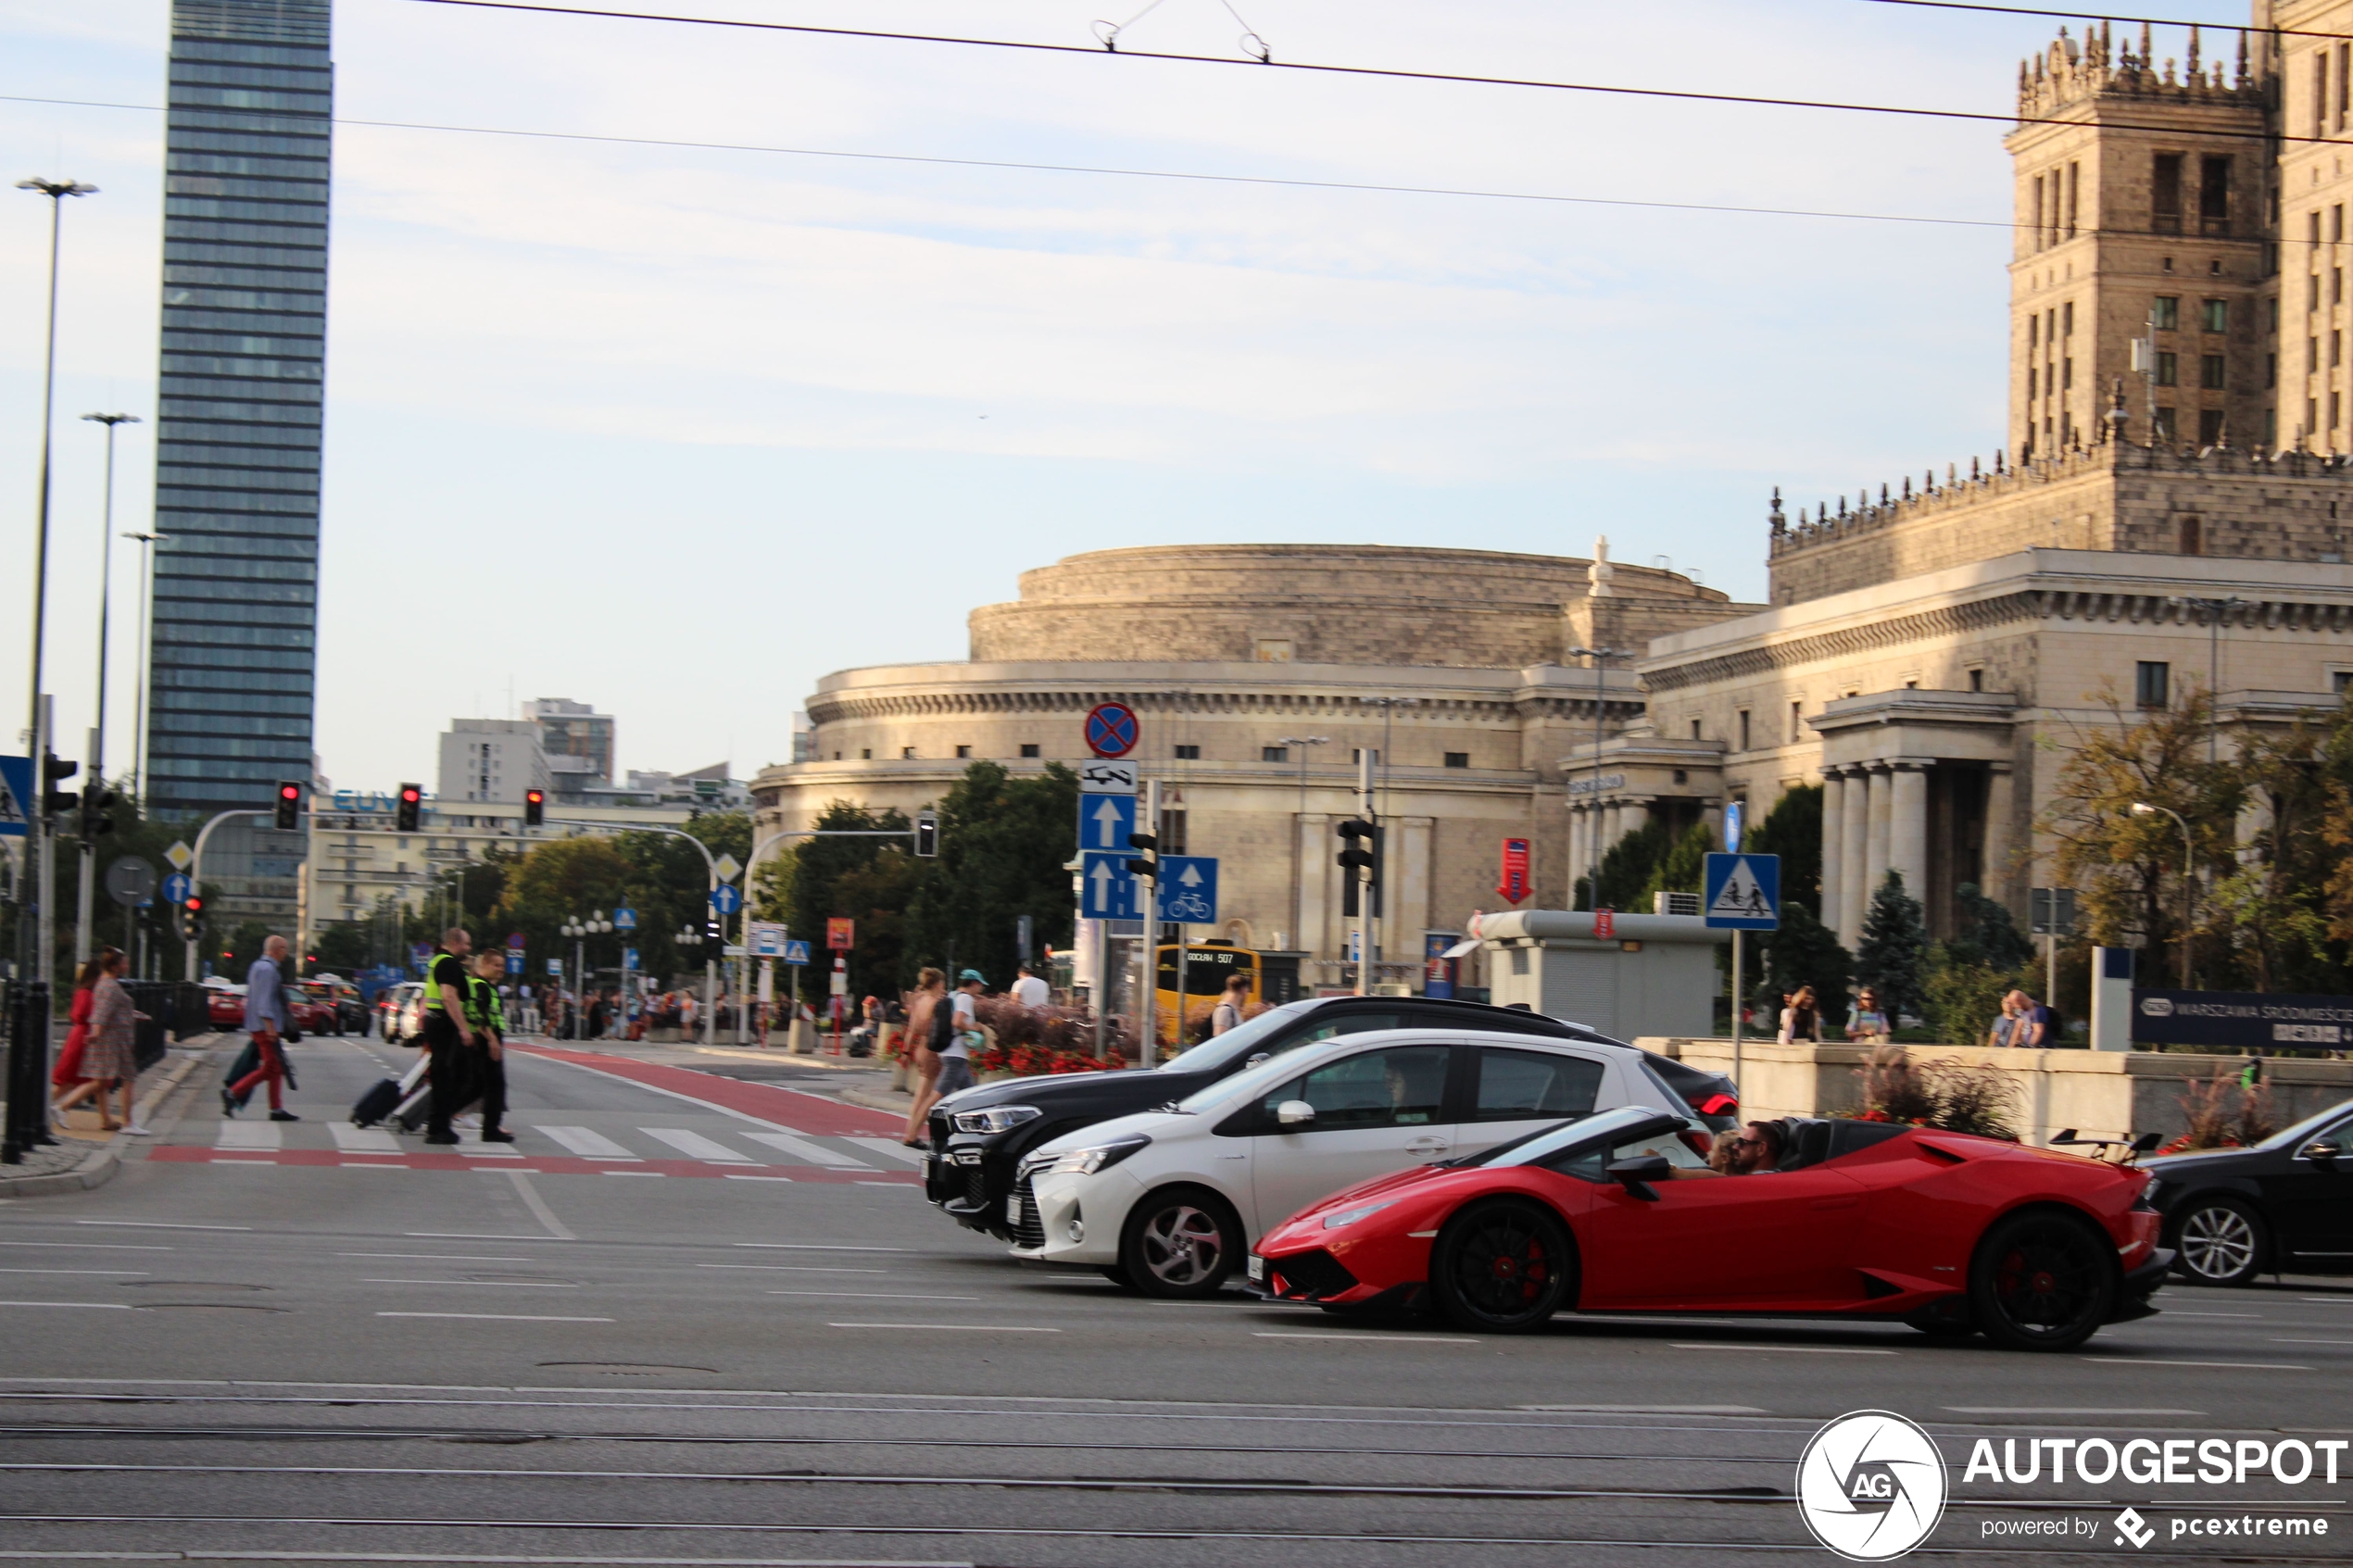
(66, 1080)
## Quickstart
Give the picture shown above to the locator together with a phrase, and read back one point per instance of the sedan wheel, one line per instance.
(2042, 1282)
(1182, 1243)
(2220, 1243)
(1501, 1268)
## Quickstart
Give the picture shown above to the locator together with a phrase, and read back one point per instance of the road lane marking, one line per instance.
(2312, 1341)
(433, 1257)
(157, 1225)
(538, 1206)
(820, 1247)
(1777, 1349)
(889, 1149)
(118, 1274)
(740, 1176)
(2233, 1366)
(2067, 1410)
(111, 1306)
(2177, 1313)
(1647, 1410)
(476, 1236)
(251, 1137)
(487, 1151)
(360, 1141)
(481, 1283)
(790, 1268)
(806, 1152)
(632, 1172)
(954, 1327)
(878, 1184)
(1365, 1339)
(97, 1246)
(874, 1294)
(491, 1317)
(587, 1142)
(694, 1146)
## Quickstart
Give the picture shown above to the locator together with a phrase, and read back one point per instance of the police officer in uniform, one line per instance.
(448, 1034)
(488, 1013)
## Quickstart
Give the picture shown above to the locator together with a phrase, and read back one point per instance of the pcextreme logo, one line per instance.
(1871, 1485)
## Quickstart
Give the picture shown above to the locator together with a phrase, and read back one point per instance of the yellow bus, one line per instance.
(1208, 965)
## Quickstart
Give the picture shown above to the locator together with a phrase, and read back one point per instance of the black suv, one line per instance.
(979, 1135)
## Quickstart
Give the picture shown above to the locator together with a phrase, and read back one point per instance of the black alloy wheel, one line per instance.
(1181, 1242)
(2221, 1240)
(2042, 1281)
(1503, 1267)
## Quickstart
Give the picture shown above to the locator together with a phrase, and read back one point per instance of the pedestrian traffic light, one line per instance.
(1148, 863)
(927, 835)
(54, 771)
(534, 808)
(1359, 862)
(411, 807)
(289, 805)
(97, 802)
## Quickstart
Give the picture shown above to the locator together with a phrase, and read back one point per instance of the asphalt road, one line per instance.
(694, 1319)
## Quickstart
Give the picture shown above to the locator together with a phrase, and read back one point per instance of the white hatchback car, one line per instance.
(1169, 1201)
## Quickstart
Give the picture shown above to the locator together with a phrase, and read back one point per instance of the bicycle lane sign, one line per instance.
(1188, 889)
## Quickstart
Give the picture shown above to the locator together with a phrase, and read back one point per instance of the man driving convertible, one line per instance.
(1754, 1149)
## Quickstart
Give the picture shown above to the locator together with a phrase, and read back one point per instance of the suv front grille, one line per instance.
(1029, 1231)
(1309, 1276)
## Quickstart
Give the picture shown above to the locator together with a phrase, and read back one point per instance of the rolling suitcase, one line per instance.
(407, 1110)
(381, 1101)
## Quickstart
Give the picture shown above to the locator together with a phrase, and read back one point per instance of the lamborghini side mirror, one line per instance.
(1635, 1174)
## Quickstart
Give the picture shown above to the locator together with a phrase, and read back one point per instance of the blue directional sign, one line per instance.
(624, 919)
(726, 899)
(629, 958)
(15, 795)
(514, 960)
(796, 950)
(1188, 889)
(175, 888)
(1735, 819)
(1742, 892)
(1105, 821)
(1106, 889)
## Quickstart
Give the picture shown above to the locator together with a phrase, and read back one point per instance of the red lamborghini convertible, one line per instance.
(1619, 1213)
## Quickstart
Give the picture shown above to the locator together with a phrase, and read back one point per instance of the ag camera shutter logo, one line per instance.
(1871, 1485)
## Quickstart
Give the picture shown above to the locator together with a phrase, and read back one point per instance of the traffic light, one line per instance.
(534, 808)
(97, 801)
(1360, 862)
(927, 835)
(289, 805)
(192, 919)
(411, 807)
(54, 772)
(713, 932)
(1148, 863)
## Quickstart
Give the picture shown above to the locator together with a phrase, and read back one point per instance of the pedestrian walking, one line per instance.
(2005, 1028)
(109, 1052)
(930, 1018)
(1868, 1025)
(488, 1016)
(1227, 1013)
(265, 1021)
(955, 1058)
(448, 1035)
(1030, 991)
(67, 1083)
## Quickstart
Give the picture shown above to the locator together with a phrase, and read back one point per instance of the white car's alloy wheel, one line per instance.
(1182, 1245)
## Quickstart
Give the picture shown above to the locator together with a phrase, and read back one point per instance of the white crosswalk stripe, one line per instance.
(890, 1147)
(363, 1140)
(588, 1143)
(250, 1135)
(694, 1146)
(809, 1153)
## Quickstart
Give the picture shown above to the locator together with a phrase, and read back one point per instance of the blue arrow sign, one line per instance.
(629, 958)
(1105, 890)
(1735, 818)
(625, 920)
(1105, 821)
(1188, 889)
(1742, 892)
(15, 795)
(726, 899)
(796, 950)
(175, 888)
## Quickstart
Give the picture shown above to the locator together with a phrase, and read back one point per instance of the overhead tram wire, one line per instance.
(2110, 16)
(1343, 186)
(1385, 72)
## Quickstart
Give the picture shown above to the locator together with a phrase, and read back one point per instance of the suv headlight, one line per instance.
(1085, 1161)
(996, 1119)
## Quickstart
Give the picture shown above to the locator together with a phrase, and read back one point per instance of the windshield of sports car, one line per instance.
(1574, 1145)
(1213, 1054)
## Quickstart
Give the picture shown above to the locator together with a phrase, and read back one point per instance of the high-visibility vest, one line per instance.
(433, 1002)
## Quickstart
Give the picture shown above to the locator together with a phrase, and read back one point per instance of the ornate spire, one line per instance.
(2194, 69)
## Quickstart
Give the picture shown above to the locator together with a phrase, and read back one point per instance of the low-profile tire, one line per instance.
(2220, 1240)
(1119, 1276)
(2043, 1280)
(1502, 1266)
(1181, 1242)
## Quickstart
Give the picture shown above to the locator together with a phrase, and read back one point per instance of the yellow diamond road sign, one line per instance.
(179, 855)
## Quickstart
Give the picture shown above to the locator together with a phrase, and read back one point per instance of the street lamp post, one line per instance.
(2189, 882)
(37, 731)
(580, 928)
(95, 785)
(147, 619)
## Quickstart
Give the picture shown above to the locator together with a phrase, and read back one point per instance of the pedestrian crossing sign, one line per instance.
(1742, 892)
(16, 797)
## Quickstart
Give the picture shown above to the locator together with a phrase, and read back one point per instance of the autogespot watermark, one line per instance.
(1872, 1486)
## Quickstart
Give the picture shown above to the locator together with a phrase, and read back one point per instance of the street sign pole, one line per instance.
(1364, 875)
(1149, 907)
(1736, 1008)
(1744, 893)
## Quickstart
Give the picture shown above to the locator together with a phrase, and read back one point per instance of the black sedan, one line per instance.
(2283, 1206)
(979, 1137)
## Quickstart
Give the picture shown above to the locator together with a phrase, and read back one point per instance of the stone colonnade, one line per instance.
(1874, 821)
(1595, 825)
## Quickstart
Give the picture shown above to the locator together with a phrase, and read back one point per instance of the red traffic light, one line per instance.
(534, 808)
(193, 904)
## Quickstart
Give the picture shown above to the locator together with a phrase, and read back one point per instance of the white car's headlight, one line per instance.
(995, 1119)
(1339, 1217)
(1086, 1161)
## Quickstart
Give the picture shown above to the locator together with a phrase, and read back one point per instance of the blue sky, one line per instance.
(676, 431)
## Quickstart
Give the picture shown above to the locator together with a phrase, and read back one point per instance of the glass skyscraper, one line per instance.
(245, 320)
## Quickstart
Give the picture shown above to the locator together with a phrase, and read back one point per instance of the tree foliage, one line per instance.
(1793, 830)
(1003, 845)
(1895, 946)
(1805, 952)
